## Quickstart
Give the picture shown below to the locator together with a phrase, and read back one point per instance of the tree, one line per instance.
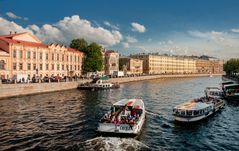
(231, 66)
(79, 44)
(94, 60)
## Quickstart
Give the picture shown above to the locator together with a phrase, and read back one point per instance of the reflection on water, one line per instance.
(62, 119)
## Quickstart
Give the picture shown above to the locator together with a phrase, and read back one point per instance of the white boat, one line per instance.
(213, 92)
(98, 84)
(197, 109)
(127, 116)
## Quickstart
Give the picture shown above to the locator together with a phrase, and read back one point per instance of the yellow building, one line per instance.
(162, 64)
(131, 65)
(23, 53)
(209, 66)
(111, 62)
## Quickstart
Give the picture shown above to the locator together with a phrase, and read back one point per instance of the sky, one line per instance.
(176, 27)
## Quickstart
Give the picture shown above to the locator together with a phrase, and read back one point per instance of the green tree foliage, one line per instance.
(231, 66)
(79, 44)
(93, 57)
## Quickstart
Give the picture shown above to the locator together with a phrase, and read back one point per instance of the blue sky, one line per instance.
(183, 27)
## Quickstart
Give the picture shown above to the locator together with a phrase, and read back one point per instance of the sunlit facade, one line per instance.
(23, 53)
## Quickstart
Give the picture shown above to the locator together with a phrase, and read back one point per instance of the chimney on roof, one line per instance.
(10, 32)
(15, 32)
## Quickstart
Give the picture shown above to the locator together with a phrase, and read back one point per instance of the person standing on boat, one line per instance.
(112, 109)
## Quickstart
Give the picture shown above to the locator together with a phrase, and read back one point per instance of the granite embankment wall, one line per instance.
(12, 90)
(132, 79)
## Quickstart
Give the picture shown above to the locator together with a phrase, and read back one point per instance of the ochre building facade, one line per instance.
(24, 53)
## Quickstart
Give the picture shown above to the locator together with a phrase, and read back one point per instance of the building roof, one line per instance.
(25, 43)
(12, 39)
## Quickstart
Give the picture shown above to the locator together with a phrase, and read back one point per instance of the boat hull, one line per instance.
(232, 98)
(192, 119)
(122, 129)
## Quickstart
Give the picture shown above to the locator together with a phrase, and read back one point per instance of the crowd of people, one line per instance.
(121, 116)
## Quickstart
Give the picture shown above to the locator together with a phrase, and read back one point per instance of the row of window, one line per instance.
(53, 56)
(30, 66)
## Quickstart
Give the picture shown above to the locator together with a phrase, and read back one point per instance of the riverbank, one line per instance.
(13, 90)
(152, 77)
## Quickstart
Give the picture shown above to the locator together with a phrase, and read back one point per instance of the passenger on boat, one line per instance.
(106, 118)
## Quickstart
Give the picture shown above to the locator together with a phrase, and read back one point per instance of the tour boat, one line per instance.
(231, 92)
(98, 84)
(126, 117)
(213, 92)
(197, 109)
(223, 84)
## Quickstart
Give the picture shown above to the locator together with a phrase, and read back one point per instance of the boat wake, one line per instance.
(110, 143)
(151, 113)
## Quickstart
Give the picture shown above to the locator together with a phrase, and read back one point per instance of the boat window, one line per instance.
(196, 112)
(182, 112)
(189, 113)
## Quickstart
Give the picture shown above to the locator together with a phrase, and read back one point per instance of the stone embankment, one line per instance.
(12, 90)
(151, 77)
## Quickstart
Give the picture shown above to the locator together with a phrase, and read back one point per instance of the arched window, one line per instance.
(2, 65)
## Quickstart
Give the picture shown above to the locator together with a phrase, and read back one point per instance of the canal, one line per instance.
(62, 119)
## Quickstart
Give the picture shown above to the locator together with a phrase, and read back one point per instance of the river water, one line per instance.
(58, 120)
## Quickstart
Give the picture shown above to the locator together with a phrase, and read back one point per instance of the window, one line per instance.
(46, 56)
(34, 55)
(40, 55)
(78, 58)
(52, 57)
(78, 67)
(58, 67)
(20, 66)
(2, 65)
(71, 67)
(67, 58)
(29, 55)
(67, 67)
(40, 66)
(14, 66)
(20, 54)
(62, 57)
(28, 66)
(62, 67)
(34, 66)
(75, 59)
(71, 58)
(57, 57)
(75, 67)
(47, 66)
(14, 53)
(52, 67)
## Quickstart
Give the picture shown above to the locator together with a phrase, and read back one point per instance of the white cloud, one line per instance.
(65, 30)
(125, 45)
(235, 30)
(111, 25)
(138, 27)
(7, 26)
(130, 39)
(12, 15)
